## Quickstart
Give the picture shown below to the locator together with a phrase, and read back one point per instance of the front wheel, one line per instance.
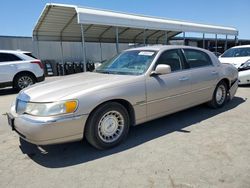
(107, 126)
(220, 95)
(23, 80)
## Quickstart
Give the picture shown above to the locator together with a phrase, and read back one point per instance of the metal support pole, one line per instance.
(225, 47)
(166, 37)
(62, 58)
(83, 49)
(208, 45)
(101, 50)
(216, 43)
(236, 40)
(184, 38)
(36, 46)
(34, 50)
(61, 45)
(203, 40)
(38, 50)
(117, 39)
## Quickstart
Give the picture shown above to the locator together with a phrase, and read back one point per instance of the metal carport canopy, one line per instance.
(59, 22)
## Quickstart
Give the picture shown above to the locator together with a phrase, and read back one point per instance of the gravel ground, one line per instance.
(198, 147)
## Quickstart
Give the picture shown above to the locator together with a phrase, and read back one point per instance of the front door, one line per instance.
(170, 92)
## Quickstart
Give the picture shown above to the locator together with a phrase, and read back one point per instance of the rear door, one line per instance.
(170, 92)
(204, 75)
(7, 66)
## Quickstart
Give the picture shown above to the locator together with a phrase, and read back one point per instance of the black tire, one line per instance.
(28, 79)
(215, 103)
(114, 115)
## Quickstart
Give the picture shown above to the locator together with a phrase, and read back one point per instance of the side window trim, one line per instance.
(184, 60)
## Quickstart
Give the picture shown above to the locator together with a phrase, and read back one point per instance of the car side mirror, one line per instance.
(161, 69)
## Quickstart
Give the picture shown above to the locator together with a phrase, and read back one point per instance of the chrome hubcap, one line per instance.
(110, 126)
(24, 81)
(220, 94)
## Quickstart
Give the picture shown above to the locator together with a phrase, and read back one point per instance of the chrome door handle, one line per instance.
(214, 72)
(183, 79)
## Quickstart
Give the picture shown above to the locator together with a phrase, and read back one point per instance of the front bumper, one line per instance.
(48, 130)
(233, 89)
(244, 77)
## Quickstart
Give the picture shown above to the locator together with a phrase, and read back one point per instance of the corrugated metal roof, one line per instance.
(60, 22)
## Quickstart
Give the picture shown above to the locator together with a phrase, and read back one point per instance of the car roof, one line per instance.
(163, 47)
(14, 51)
(242, 46)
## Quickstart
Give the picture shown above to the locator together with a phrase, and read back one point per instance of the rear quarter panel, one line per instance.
(226, 71)
(31, 67)
(229, 72)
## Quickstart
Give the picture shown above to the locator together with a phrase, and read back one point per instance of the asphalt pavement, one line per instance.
(198, 147)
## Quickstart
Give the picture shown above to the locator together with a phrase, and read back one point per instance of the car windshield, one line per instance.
(133, 62)
(237, 52)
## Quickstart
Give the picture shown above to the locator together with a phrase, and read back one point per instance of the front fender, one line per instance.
(133, 93)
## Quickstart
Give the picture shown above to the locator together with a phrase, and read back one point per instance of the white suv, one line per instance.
(19, 69)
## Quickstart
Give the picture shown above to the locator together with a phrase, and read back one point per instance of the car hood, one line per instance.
(83, 82)
(236, 61)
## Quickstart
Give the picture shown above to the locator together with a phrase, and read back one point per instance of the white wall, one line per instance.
(72, 51)
(14, 43)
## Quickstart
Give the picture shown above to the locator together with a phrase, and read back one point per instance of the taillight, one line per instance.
(39, 63)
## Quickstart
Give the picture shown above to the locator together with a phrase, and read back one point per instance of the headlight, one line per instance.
(50, 109)
(245, 65)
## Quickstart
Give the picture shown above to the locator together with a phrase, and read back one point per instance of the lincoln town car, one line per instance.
(135, 86)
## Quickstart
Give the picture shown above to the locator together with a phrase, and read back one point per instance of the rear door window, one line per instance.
(30, 55)
(6, 57)
(196, 58)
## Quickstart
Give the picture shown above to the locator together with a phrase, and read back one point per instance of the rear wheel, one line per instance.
(219, 96)
(24, 80)
(107, 126)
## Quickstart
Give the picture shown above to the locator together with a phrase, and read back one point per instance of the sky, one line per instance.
(18, 17)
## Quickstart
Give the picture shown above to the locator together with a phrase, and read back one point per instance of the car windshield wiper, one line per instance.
(103, 71)
(115, 72)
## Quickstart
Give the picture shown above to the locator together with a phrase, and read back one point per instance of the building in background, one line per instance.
(210, 43)
(73, 52)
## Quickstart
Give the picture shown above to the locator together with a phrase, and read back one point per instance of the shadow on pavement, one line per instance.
(63, 155)
(8, 91)
(245, 86)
